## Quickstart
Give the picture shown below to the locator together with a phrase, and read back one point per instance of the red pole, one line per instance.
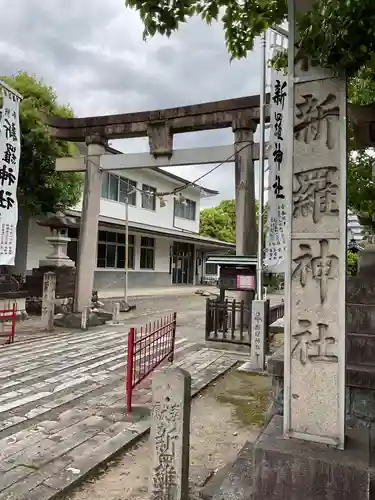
(173, 336)
(14, 315)
(129, 372)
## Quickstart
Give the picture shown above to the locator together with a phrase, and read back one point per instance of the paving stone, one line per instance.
(44, 440)
(94, 459)
(29, 486)
(41, 492)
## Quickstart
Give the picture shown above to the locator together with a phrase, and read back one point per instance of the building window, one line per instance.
(116, 188)
(185, 209)
(111, 250)
(147, 253)
(148, 197)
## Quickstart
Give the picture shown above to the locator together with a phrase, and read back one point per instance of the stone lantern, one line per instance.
(59, 224)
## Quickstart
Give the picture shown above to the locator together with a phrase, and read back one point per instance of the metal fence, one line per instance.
(148, 347)
(8, 319)
(228, 321)
(275, 312)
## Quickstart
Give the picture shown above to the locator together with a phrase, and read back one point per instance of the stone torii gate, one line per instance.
(240, 114)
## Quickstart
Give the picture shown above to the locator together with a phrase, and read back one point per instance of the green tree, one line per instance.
(351, 264)
(360, 184)
(361, 189)
(40, 188)
(220, 222)
(337, 33)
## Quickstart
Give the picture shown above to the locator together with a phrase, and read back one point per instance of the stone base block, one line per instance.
(73, 320)
(126, 307)
(294, 470)
(249, 368)
(56, 262)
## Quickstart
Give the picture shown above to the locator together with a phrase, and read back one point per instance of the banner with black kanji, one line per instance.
(10, 150)
(275, 247)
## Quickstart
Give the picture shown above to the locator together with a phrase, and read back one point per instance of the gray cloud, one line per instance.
(93, 54)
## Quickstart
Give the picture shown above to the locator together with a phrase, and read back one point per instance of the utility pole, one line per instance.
(127, 194)
(259, 308)
(263, 42)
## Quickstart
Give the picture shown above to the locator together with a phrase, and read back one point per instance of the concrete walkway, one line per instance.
(62, 408)
(177, 291)
(154, 292)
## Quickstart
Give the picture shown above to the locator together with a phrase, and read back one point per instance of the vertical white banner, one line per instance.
(276, 240)
(10, 150)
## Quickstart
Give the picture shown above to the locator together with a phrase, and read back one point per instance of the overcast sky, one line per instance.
(93, 54)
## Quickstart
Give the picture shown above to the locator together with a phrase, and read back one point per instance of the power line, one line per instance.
(189, 183)
(181, 188)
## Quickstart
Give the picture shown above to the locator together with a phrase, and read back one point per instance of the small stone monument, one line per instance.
(258, 334)
(170, 433)
(48, 301)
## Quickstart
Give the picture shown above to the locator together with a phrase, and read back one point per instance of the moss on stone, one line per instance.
(249, 394)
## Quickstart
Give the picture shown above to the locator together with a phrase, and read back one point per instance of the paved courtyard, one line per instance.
(62, 406)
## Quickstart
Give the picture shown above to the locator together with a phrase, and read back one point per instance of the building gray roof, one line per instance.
(158, 231)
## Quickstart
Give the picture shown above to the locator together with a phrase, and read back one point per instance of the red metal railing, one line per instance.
(7, 331)
(147, 348)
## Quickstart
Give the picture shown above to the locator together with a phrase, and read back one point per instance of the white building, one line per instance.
(165, 247)
(354, 228)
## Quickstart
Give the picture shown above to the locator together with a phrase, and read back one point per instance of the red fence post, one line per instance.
(129, 372)
(14, 317)
(174, 326)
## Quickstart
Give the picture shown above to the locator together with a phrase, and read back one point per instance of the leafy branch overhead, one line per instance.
(340, 34)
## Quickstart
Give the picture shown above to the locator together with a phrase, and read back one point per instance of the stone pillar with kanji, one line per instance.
(310, 452)
(314, 406)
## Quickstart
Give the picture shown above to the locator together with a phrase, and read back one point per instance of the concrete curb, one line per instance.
(131, 436)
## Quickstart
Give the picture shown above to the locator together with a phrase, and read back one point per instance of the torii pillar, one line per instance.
(88, 236)
(246, 228)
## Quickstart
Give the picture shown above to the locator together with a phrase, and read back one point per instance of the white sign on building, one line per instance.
(276, 238)
(10, 150)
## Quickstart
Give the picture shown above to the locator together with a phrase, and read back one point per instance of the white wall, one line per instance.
(162, 252)
(161, 217)
(37, 248)
(187, 225)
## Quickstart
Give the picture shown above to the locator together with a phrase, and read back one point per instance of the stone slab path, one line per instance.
(62, 411)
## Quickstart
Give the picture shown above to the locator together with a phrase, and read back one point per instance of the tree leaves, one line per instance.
(340, 34)
(220, 222)
(361, 188)
(242, 21)
(351, 264)
(40, 187)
